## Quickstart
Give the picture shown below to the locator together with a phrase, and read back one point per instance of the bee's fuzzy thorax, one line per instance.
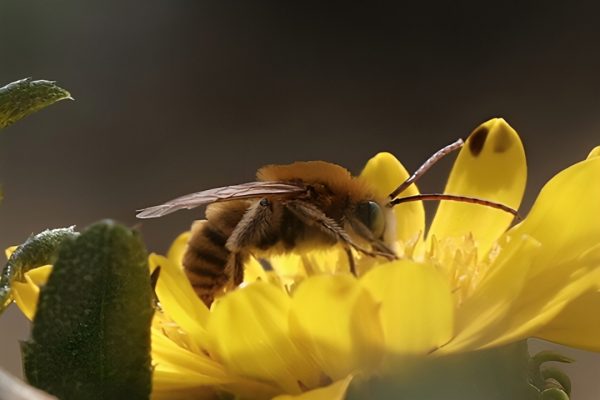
(338, 179)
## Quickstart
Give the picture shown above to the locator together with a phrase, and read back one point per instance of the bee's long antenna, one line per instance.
(452, 197)
(426, 165)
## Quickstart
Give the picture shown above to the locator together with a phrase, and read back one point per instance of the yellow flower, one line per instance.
(306, 328)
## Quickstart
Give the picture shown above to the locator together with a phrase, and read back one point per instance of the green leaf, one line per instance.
(557, 377)
(38, 250)
(539, 374)
(91, 332)
(554, 394)
(26, 96)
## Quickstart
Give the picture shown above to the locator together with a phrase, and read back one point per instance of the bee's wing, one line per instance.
(235, 192)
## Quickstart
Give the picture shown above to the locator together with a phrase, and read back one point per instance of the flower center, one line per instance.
(457, 258)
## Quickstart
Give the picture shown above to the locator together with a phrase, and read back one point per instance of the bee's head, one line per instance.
(370, 213)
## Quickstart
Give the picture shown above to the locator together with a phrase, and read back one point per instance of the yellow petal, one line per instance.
(292, 266)
(180, 373)
(540, 304)
(167, 385)
(491, 166)
(564, 218)
(26, 293)
(329, 261)
(385, 173)
(480, 317)
(530, 284)
(26, 296)
(8, 252)
(197, 368)
(595, 152)
(334, 319)
(576, 325)
(178, 248)
(335, 391)
(417, 309)
(39, 276)
(179, 301)
(180, 394)
(253, 271)
(249, 334)
(288, 265)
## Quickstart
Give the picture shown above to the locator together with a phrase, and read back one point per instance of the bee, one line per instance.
(296, 207)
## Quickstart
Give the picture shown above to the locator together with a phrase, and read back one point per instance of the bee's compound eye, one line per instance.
(371, 214)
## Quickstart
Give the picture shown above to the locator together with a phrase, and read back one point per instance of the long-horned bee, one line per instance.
(300, 206)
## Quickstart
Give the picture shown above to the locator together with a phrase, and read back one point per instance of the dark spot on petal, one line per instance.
(502, 141)
(477, 140)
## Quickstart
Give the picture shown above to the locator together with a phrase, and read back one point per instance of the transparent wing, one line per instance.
(235, 192)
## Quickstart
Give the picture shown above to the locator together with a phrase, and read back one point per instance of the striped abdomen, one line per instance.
(207, 257)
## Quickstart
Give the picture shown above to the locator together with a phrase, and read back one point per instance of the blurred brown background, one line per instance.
(174, 96)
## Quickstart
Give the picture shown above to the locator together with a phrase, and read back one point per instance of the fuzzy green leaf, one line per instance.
(38, 250)
(91, 332)
(26, 96)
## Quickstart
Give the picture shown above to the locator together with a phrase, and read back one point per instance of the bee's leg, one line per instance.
(351, 263)
(234, 271)
(313, 216)
(255, 229)
(366, 233)
(236, 265)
